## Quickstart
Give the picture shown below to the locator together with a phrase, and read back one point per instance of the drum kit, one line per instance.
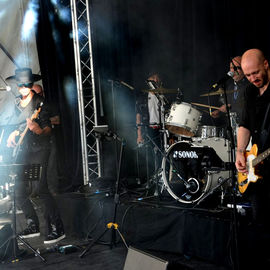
(200, 161)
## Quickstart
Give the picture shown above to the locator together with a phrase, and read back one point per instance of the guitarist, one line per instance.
(255, 123)
(31, 118)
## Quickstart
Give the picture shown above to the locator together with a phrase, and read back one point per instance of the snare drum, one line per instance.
(205, 132)
(183, 119)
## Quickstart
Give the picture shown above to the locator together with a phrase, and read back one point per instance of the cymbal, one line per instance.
(220, 91)
(204, 105)
(161, 91)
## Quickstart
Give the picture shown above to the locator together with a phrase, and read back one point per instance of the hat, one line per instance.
(24, 75)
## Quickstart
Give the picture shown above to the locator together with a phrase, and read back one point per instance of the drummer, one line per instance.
(147, 111)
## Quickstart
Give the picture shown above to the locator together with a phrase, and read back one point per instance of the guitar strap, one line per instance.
(265, 130)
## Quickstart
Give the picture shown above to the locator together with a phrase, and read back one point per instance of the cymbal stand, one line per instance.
(161, 108)
(163, 138)
(16, 236)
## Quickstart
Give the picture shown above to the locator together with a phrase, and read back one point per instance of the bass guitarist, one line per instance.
(255, 123)
(31, 143)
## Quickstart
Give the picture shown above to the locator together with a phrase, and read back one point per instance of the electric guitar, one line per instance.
(252, 160)
(22, 135)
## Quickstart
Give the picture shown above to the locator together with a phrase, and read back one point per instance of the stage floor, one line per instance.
(186, 237)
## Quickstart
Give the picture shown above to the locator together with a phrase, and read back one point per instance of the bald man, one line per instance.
(255, 123)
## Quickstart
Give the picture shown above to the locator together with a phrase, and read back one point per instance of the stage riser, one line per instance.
(184, 231)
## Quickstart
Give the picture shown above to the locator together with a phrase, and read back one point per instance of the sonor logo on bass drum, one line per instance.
(185, 154)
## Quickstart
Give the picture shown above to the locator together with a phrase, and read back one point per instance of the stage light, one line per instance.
(30, 20)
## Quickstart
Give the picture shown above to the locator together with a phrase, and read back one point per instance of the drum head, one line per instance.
(184, 170)
(174, 129)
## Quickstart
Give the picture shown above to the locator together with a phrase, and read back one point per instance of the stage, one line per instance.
(187, 237)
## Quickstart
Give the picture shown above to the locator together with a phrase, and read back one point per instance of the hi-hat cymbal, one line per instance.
(220, 91)
(161, 91)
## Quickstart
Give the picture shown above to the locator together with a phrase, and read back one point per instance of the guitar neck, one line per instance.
(22, 135)
(261, 157)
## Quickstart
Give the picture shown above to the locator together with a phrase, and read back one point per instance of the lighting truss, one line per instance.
(80, 13)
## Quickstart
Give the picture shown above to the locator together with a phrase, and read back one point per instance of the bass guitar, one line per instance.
(252, 159)
(22, 135)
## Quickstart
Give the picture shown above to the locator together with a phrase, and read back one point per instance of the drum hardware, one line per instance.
(220, 91)
(159, 171)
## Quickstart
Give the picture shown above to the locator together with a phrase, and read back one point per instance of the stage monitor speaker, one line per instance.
(139, 260)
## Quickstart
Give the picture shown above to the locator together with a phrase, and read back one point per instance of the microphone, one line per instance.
(151, 84)
(123, 83)
(222, 80)
(127, 85)
(179, 96)
(7, 88)
(234, 67)
(230, 73)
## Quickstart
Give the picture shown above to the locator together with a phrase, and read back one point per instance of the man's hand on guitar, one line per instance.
(11, 141)
(240, 162)
(34, 126)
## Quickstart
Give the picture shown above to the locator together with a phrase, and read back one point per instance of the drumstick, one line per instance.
(204, 105)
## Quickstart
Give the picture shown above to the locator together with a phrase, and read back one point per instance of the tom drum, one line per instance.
(183, 119)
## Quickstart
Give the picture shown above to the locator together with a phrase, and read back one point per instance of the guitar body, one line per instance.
(243, 178)
(19, 143)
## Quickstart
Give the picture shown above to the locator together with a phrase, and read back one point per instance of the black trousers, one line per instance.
(258, 194)
(50, 211)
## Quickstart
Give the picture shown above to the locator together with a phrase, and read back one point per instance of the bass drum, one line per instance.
(220, 145)
(186, 171)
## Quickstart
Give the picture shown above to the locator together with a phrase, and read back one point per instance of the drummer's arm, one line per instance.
(222, 108)
(139, 129)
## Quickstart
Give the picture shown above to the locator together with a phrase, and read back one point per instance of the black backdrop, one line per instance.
(189, 41)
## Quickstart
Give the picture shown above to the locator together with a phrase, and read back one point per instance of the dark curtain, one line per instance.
(56, 56)
(189, 41)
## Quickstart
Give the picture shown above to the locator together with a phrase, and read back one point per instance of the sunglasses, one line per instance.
(26, 85)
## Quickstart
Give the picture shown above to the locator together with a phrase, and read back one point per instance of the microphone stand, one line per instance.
(234, 182)
(112, 225)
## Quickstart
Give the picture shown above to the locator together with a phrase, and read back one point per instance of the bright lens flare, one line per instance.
(30, 20)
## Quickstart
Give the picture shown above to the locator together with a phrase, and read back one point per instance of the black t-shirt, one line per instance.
(254, 114)
(43, 119)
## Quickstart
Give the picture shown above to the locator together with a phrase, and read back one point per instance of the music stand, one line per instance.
(22, 172)
(104, 131)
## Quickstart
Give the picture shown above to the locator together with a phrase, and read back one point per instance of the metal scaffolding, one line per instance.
(80, 13)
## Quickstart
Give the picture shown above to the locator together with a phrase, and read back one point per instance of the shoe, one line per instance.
(55, 230)
(31, 231)
(54, 237)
